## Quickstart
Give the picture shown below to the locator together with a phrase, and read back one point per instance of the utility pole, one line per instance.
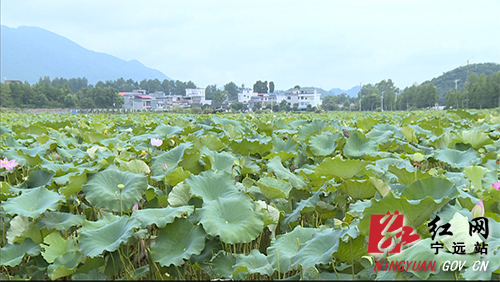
(467, 85)
(360, 96)
(382, 101)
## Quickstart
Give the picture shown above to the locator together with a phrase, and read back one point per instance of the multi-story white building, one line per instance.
(300, 97)
(246, 95)
(196, 96)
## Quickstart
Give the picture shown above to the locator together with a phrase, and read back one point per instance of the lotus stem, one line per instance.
(278, 260)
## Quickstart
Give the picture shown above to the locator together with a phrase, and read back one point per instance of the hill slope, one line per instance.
(446, 82)
(28, 53)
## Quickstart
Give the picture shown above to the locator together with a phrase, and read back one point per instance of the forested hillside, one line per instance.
(446, 82)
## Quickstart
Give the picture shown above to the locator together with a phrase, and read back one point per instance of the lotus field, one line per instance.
(265, 196)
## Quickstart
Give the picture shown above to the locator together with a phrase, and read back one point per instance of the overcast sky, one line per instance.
(323, 44)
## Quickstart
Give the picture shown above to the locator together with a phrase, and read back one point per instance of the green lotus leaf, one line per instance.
(415, 212)
(177, 242)
(357, 145)
(64, 265)
(439, 189)
(233, 218)
(254, 262)
(216, 161)
(358, 189)
(167, 130)
(352, 250)
(323, 144)
(33, 202)
(93, 275)
(406, 177)
(475, 138)
(273, 188)
(59, 220)
(366, 123)
(475, 174)
(74, 183)
(135, 166)
(22, 227)
(210, 185)
(221, 266)
(161, 217)
(380, 136)
(170, 159)
(280, 145)
(108, 237)
(257, 145)
(33, 155)
(319, 249)
(106, 219)
(286, 246)
(212, 142)
(54, 246)
(456, 158)
(339, 169)
(179, 196)
(440, 141)
(102, 190)
(13, 254)
(306, 130)
(38, 178)
(309, 202)
(274, 165)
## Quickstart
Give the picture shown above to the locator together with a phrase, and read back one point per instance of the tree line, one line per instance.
(482, 92)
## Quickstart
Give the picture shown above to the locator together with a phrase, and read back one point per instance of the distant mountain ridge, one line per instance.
(28, 53)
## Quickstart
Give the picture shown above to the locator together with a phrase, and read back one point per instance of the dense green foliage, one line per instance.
(457, 78)
(241, 196)
(483, 93)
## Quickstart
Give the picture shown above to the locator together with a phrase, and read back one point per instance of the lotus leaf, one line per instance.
(255, 262)
(13, 254)
(178, 241)
(161, 217)
(103, 189)
(108, 237)
(358, 145)
(210, 185)
(33, 202)
(233, 218)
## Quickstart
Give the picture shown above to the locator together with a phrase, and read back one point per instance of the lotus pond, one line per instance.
(243, 196)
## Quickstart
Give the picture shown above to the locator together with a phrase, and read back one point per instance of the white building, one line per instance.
(300, 97)
(246, 95)
(196, 96)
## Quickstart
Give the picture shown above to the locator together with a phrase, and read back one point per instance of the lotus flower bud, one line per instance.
(478, 210)
(135, 207)
(165, 167)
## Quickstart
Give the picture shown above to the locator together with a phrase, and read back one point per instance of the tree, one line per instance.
(209, 91)
(271, 86)
(329, 103)
(296, 87)
(283, 106)
(260, 87)
(232, 90)
(237, 106)
(219, 97)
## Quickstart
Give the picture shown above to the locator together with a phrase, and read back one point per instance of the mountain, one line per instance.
(352, 92)
(28, 53)
(446, 81)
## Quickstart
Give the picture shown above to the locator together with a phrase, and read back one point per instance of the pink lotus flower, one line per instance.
(496, 185)
(156, 142)
(478, 210)
(135, 207)
(9, 165)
